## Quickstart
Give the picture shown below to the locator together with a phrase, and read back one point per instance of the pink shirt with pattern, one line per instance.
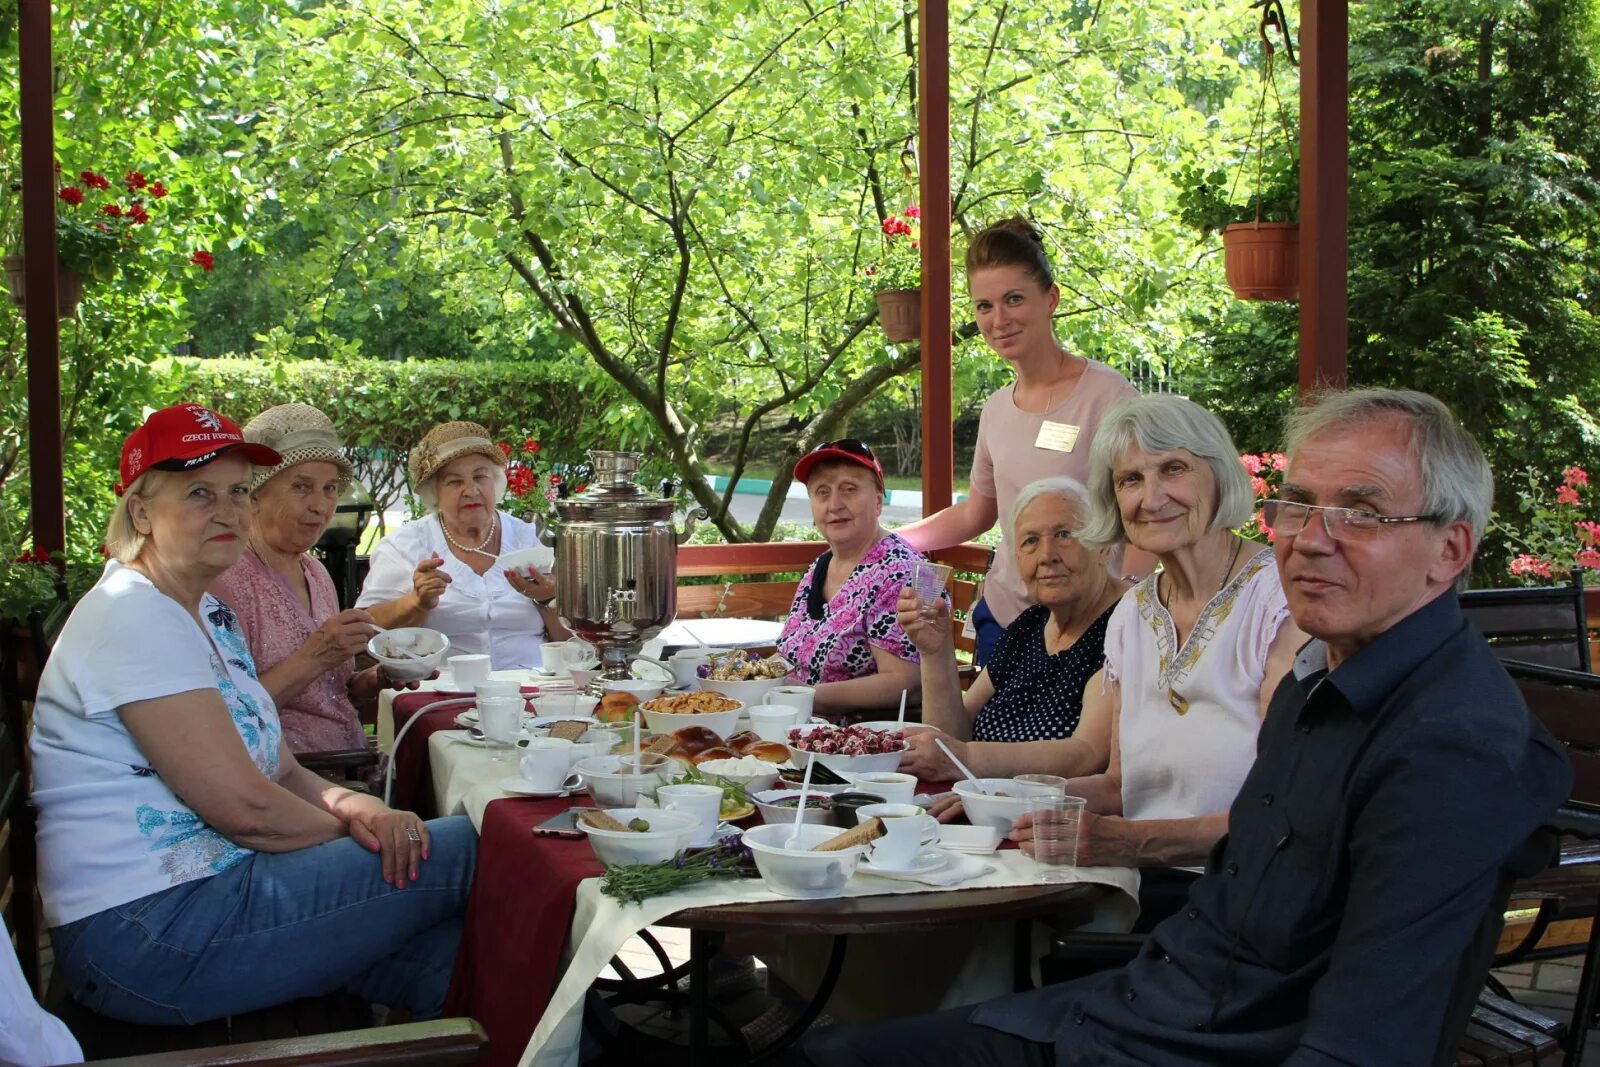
(321, 718)
(859, 617)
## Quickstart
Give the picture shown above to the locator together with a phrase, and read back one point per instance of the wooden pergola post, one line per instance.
(45, 467)
(1324, 192)
(933, 157)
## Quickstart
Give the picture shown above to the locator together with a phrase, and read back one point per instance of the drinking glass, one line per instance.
(1056, 820)
(927, 582)
(501, 720)
(1041, 785)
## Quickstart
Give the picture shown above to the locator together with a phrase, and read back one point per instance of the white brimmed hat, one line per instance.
(448, 441)
(299, 433)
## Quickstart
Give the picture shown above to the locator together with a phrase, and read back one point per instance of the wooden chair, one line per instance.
(1546, 626)
(440, 1043)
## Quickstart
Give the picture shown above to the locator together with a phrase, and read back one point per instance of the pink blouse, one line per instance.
(321, 718)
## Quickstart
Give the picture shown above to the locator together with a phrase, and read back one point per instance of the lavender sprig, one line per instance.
(632, 883)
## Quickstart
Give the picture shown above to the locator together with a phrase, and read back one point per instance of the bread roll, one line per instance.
(696, 739)
(771, 751)
(617, 706)
(715, 752)
(743, 741)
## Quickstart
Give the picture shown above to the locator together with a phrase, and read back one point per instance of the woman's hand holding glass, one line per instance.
(1103, 840)
(929, 630)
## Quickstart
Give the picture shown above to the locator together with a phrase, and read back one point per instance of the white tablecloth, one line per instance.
(464, 778)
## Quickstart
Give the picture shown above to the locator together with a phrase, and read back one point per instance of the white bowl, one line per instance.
(998, 812)
(799, 872)
(565, 705)
(523, 558)
(750, 783)
(766, 802)
(641, 689)
(721, 723)
(669, 834)
(610, 785)
(427, 648)
(844, 765)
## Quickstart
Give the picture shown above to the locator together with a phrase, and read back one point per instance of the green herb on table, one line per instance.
(632, 883)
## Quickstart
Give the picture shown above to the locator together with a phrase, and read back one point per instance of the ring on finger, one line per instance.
(412, 834)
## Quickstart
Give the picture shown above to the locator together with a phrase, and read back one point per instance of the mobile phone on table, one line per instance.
(564, 824)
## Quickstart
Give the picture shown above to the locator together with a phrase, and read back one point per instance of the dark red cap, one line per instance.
(844, 450)
(183, 437)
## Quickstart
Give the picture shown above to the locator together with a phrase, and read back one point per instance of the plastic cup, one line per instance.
(928, 580)
(500, 717)
(1056, 820)
(1040, 785)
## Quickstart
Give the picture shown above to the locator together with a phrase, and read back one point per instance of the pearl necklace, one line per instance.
(494, 523)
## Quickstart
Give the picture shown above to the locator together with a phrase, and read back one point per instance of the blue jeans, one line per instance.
(989, 631)
(275, 927)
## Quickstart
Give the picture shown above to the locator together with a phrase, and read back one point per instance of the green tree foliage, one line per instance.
(1474, 217)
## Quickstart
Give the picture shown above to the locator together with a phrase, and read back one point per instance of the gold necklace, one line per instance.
(494, 523)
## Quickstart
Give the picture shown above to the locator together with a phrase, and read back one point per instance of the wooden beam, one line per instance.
(1324, 192)
(933, 140)
(699, 561)
(45, 484)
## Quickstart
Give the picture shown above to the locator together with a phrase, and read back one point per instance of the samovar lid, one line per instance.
(612, 494)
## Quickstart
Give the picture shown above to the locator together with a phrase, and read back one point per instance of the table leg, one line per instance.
(702, 946)
(819, 1000)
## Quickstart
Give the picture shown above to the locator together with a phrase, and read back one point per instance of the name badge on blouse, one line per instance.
(1056, 436)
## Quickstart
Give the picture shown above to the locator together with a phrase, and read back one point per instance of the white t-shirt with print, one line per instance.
(480, 613)
(110, 830)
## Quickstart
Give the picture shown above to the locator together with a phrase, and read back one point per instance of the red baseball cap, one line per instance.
(844, 450)
(183, 437)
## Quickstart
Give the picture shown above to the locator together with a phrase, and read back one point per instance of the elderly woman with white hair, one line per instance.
(442, 570)
(1031, 690)
(1193, 652)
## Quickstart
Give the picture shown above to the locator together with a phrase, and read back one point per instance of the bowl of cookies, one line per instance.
(714, 711)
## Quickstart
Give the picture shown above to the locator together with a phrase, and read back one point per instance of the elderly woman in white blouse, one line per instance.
(443, 571)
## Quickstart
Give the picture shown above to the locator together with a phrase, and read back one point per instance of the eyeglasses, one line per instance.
(1342, 524)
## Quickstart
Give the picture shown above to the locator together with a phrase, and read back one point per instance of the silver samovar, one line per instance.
(616, 561)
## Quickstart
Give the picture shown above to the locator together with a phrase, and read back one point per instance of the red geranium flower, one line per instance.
(913, 211)
(202, 259)
(138, 214)
(157, 190)
(134, 180)
(1566, 495)
(114, 210)
(530, 446)
(91, 180)
(71, 194)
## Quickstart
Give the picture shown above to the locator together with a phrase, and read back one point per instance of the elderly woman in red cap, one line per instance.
(190, 867)
(443, 570)
(304, 646)
(842, 635)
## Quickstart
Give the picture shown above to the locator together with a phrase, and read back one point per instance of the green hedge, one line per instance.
(382, 408)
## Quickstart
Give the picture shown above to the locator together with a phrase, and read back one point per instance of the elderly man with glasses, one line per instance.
(1396, 771)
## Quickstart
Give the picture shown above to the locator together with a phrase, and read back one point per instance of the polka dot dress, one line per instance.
(1037, 695)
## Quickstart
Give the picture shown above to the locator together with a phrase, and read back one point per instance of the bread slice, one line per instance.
(663, 745)
(570, 729)
(602, 821)
(860, 834)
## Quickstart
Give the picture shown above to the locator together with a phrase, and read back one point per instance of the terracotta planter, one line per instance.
(69, 287)
(1262, 260)
(900, 313)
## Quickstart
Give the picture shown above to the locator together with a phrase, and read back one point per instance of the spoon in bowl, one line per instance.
(962, 767)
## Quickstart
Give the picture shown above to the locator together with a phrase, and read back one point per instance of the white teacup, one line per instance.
(771, 722)
(907, 830)
(553, 657)
(548, 763)
(468, 672)
(685, 665)
(796, 696)
(704, 802)
(892, 786)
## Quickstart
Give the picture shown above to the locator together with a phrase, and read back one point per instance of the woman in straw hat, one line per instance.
(191, 868)
(443, 570)
(304, 646)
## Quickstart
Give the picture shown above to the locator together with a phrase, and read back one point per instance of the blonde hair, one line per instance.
(124, 542)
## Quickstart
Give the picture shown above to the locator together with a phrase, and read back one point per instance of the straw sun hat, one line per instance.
(299, 433)
(448, 441)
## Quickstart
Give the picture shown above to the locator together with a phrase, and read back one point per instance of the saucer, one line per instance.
(925, 861)
(519, 786)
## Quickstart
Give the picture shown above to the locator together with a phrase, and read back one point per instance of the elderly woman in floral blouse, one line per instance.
(303, 645)
(842, 635)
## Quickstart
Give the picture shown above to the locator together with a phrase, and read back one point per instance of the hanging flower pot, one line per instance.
(900, 313)
(69, 286)
(1262, 260)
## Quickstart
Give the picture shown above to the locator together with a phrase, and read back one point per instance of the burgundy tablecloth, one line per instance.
(413, 781)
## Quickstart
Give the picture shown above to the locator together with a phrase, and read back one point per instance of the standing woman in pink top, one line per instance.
(1039, 426)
